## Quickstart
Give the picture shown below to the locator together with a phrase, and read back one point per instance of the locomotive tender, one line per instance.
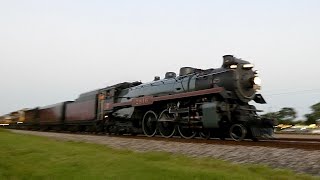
(212, 102)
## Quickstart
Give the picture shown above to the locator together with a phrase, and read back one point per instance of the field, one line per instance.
(31, 157)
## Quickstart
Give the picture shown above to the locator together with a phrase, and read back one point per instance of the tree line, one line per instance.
(287, 115)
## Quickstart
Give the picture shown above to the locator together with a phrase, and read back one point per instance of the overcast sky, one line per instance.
(51, 51)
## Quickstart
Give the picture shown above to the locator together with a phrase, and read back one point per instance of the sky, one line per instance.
(51, 51)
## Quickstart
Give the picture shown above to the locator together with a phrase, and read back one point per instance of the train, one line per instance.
(195, 103)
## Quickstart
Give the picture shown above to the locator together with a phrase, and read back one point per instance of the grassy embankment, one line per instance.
(31, 157)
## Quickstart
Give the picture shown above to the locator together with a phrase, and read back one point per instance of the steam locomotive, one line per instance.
(211, 102)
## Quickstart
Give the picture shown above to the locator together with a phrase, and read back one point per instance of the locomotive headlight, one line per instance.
(234, 66)
(247, 66)
(256, 80)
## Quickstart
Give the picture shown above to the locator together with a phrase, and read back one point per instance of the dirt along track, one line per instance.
(305, 144)
(298, 137)
(290, 156)
(303, 158)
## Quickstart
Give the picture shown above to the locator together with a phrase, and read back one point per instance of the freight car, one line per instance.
(52, 116)
(12, 119)
(211, 102)
(29, 118)
(4, 120)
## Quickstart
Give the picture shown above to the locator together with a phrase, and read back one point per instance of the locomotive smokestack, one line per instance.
(228, 60)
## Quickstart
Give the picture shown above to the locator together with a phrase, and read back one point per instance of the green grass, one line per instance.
(32, 157)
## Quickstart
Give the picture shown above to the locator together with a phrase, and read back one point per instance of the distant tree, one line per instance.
(310, 119)
(285, 116)
(271, 115)
(314, 115)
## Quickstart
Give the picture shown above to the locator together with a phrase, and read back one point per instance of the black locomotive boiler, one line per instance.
(211, 102)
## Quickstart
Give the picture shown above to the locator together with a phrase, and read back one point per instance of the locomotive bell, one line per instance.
(156, 78)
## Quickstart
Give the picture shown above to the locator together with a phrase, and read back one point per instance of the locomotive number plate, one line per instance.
(146, 100)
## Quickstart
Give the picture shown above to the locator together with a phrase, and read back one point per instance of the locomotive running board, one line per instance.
(148, 100)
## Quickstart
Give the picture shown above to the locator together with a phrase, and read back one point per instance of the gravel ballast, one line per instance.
(295, 159)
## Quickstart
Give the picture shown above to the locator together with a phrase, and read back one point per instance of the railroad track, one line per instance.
(299, 139)
(297, 143)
